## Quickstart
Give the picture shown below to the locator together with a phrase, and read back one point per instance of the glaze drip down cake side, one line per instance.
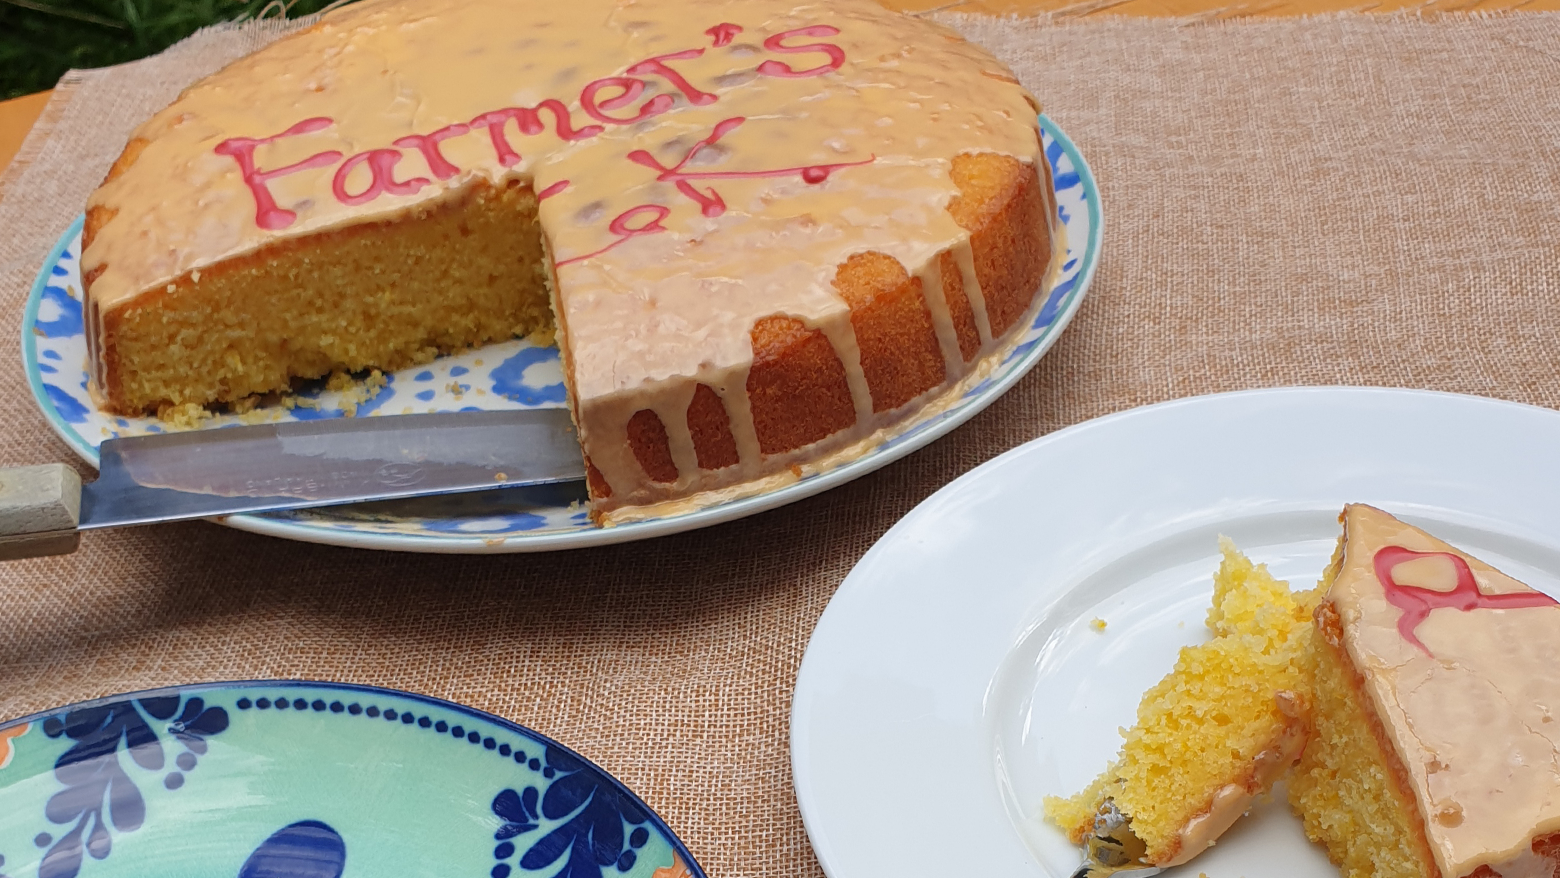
(1431, 749)
(766, 235)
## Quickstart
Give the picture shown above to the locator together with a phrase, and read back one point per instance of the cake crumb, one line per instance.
(358, 394)
(185, 417)
(454, 389)
(245, 405)
(1097, 624)
(257, 417)
(339, 381)
(547, 337)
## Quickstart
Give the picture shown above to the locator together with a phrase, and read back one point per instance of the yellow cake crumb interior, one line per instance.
(389, 295)
(1343, 787)
(1204, 725)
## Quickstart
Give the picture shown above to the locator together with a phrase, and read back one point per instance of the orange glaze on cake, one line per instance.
(772, 232)
(1452, 663)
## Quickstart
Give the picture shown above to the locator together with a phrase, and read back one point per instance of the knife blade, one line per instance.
(299, 464)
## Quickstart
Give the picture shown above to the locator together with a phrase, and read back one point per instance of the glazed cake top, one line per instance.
(701, 164)
(1458, 661)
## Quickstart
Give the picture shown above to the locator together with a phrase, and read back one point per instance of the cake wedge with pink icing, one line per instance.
(1435, 751)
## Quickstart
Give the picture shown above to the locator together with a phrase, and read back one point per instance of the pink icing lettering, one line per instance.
(629, 90)
(723, 33)
(1416, 603)
(775, 44)
(529, 121)
(381, 168)
(552, 190)
(709, 201)
(656, 66)
(428, 145)
(620, 227)
(242, 150)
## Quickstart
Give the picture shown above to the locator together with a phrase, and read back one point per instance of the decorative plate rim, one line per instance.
(30, 346)
(678, 846)
(914, 439)
(816, 737)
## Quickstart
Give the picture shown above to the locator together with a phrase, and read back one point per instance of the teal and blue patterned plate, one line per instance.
(515, 374)
(311, 780)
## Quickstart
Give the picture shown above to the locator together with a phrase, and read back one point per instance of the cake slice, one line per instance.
(1216, 732)
(1435, 751)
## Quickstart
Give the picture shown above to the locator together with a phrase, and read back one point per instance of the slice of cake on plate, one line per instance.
(1436, 753)
(1213, 734)
(1424, 692)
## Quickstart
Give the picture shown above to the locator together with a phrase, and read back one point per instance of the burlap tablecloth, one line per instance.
(1346, 200)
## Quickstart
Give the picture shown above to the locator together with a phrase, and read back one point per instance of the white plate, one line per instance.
(955, 679)
(515, 375)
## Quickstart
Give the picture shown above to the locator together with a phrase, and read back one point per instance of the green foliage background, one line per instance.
(41, 39)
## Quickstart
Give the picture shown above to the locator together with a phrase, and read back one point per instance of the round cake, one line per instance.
(765, 235)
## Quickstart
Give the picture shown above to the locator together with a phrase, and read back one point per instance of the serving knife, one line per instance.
(293, 465)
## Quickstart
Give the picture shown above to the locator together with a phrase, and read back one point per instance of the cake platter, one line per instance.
(984, 653)
(511, 375)
(287, 778)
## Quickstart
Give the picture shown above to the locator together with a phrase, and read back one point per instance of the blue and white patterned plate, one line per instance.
(511, 375)
(285, 779)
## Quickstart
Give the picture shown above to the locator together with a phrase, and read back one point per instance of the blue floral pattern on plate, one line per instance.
(288, 786)
(511, 375)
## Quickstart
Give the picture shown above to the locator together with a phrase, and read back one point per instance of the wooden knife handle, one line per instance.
(40, 508)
